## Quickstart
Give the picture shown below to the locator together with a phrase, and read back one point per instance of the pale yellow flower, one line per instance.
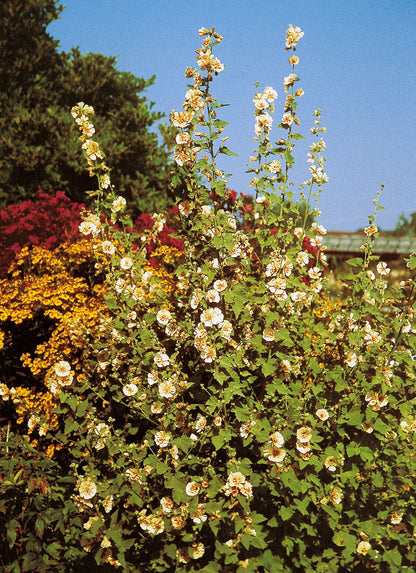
(277, 439)
(274, 166)
(197, 551)
(331, 463)
(163, 316)
(287, 119)
(260, 102)
(363, 547)
(162, 439)
(133, 475)
(293, 35)
(62, 368)
(396, 517)
(87, 489)
(192, 488)
(118, 204)
(130, 389)
(177, 521)
(208, 353)
(152, 378)
(236, 479)
(351, 359)
(126, 263)
(213, 295)
(105, 542)
(383, 269)
(289, 80)
(226, 329)
(220, 285)
(246, 489)
(322, 414)
(274, 454)
(200, 424)
(336, 495)
(268, 334)
(108, 503)
(108, 248)
(161, 359)
(167, 504)
(212, 316)
(181, 119)
(270, 94)
(167, 389)
(304, 434)
(245, 428)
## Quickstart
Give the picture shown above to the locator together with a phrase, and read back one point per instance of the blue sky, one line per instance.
(357, 63)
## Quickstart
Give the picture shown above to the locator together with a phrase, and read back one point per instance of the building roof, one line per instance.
(382, 245)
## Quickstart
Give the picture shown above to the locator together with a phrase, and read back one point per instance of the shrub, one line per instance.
(48, 305)
(232, 418)
(47, 221)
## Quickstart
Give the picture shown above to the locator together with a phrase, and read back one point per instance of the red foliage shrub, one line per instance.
(46, 221)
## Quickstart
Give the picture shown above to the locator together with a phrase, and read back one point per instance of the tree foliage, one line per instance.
(38, 142)
(406, 226)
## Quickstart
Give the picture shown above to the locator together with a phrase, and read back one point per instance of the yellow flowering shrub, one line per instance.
(51, 297)
(56, 294)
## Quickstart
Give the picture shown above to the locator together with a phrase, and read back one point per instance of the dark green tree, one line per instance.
(39, 147)
(405, 226)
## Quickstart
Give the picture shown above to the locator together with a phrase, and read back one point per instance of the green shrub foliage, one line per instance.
(233, 417)
(38, 142)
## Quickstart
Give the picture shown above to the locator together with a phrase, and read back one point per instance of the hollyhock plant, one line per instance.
(229, 416)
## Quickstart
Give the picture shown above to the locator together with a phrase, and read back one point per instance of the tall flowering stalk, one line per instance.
(289, 118)
(107, 201)
(199, 143)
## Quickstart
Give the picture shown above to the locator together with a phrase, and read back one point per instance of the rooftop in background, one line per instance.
(350, 243)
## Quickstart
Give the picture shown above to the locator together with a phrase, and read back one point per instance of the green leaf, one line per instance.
(178, 489)
(54, 549)
(246, 540)
(221, 439)
(412, 263)
(226, 151)
(39, 526)
(284, 336)
(380, 426)
(289, 157)
(11, 534)
(71, 425)
(82, 408)
(286, 512)
(355, 418)
(355, 262)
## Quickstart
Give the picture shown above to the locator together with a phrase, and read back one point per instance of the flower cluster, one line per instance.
(81, 113)
(238, 484)
(293, 35)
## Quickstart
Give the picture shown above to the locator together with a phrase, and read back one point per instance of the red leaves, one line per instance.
(46, 221)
